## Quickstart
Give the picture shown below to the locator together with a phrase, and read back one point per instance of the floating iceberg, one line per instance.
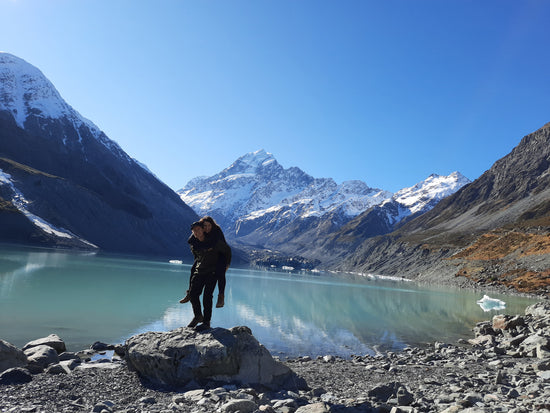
(487, 303)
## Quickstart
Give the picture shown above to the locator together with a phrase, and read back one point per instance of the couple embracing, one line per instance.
(212, 259)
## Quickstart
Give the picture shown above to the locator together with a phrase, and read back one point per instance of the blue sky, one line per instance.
(385, 91)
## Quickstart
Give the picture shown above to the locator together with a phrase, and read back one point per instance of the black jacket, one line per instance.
(207, 255)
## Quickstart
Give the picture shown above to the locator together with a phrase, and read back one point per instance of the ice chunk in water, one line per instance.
(487, 303)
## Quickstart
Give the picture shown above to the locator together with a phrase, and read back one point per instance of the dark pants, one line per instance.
(220, 275)
(200, 282)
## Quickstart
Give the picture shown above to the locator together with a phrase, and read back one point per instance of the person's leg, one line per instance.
(187, 297)
(197, 284)
(210, 285)
(220, 274)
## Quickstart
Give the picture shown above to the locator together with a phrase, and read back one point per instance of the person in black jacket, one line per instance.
(203, 277)
(213, 233)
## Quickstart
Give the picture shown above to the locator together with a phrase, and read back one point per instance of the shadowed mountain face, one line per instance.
(494, 230)
(63, 182)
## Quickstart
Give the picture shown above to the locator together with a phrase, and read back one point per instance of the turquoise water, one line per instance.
(86, 298)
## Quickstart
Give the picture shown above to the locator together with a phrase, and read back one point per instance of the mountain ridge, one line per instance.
(494, 231)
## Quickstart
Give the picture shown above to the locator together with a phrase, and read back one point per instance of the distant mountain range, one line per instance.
(63, 182)
(262, 205)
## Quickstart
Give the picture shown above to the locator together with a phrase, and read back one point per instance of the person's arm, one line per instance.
(220, 234)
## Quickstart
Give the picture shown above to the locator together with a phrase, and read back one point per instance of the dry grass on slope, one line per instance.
(503, 257)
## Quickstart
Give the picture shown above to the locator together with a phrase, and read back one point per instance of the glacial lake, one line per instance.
(86, 298)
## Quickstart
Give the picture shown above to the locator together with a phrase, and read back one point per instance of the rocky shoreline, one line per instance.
(505, 367)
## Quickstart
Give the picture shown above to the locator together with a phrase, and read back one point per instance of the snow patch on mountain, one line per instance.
(19, 201)
(422, 196)
(26, 92)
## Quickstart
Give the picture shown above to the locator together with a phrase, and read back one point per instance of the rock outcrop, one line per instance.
(11, 356)
(181, 356)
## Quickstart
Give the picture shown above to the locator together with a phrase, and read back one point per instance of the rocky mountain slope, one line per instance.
(63, 182)
(495, 230)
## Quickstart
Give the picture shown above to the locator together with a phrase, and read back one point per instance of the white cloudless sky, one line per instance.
(387, 92)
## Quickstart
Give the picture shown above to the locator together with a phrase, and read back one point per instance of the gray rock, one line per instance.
(483, 341)
(147, 400)
(103, 406)
(99, 346)
(63, 367)
(11, 356)
(319, 407)
(194, 395)
(41, 356)
(530, 345)
(180, 356)
(507, 322)
(242, 406)
(15, 375)
(540, 309)
(52, 341)
(384, 392)
(68, 356)
(404, 397)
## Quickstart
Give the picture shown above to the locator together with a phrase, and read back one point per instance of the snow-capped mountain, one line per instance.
(64, 182)
(29, 96)
(421, 197)
(259, 203)
(256, 191)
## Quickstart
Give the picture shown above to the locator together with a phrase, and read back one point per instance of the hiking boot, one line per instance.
(203, 326)
(196, 320)
(186, 298)
(220, 302)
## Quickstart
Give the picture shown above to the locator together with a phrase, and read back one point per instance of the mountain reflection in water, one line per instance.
(86, 298)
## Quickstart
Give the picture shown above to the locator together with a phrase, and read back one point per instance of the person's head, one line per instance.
(208, 223)
(197, 229)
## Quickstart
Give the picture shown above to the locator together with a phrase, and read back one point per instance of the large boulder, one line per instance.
(15, 375)
(11, 356)
(52, 341)
(41, 357)
(182, 356)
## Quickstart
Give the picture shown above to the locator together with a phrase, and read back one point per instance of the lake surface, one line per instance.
(86, 298)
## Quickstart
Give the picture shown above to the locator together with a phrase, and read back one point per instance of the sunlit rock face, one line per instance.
(181, 356)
